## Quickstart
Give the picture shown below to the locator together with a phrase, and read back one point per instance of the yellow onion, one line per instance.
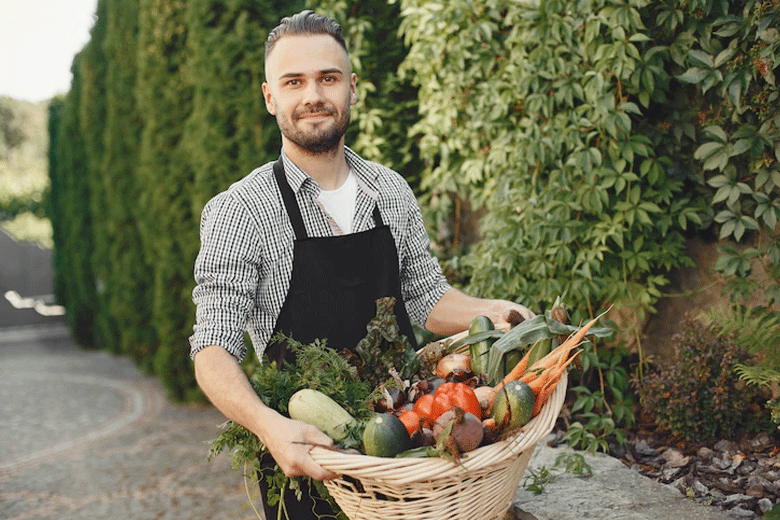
(452, 363)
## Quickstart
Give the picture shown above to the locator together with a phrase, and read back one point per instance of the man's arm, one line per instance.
(225, 384)
(455, 310)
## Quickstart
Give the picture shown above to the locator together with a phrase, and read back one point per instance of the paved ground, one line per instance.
(86, 437)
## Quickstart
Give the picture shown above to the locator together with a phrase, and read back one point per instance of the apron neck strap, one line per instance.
(293, 211)
(291, 205)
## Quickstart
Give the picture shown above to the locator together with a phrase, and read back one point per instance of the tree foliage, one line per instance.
(585, 132)
(70, 214)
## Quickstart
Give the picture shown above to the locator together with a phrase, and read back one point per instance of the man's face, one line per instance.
(309, 88)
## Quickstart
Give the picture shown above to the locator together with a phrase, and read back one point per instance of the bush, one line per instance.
(699, 396)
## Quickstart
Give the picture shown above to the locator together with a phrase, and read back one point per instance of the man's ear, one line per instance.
(269, 104)
(353, 89)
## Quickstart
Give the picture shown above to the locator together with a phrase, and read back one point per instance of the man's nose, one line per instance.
(312, 93)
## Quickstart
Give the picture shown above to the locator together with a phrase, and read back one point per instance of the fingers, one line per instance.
(292, 448)
(314, 436)
(511, 308)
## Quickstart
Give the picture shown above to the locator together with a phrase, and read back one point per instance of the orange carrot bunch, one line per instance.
(544, 375)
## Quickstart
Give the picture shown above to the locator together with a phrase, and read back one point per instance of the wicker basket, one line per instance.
(481, 487)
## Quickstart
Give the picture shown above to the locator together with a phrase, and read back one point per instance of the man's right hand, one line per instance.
(290, 443)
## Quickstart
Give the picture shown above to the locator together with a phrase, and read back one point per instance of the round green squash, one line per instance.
(385, 436)
(513, 405)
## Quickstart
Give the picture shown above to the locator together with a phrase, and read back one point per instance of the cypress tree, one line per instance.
(169, 229)
(129, 291)
(92, 118)
(70, 214)
(55, 201)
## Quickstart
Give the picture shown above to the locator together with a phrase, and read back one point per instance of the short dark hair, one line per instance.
(305, 23)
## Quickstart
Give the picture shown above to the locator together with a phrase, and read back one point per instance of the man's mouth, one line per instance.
(319, 114)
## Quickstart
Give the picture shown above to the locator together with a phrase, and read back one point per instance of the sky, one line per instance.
(38, 40)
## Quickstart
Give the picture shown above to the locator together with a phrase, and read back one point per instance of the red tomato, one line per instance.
(449, 395)
(422, 407)
(411, 420)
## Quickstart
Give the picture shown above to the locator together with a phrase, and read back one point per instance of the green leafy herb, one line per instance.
(384, 351)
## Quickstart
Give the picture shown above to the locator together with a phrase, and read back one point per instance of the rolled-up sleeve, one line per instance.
(226, 273)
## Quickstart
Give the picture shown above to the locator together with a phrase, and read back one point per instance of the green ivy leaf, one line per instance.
(693, 75)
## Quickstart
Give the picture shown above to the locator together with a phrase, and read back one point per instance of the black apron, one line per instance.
(335, 282)
(334, 286)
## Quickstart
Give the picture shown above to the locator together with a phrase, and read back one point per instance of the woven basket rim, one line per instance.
(403, 471)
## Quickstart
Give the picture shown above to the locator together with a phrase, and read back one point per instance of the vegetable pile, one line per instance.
(385, 399)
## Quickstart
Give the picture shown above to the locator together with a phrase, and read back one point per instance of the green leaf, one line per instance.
(741, 146)
(718, 181)
(707, 150)
(724, 56)
(693, 75)
(699, 57)
(717, 132)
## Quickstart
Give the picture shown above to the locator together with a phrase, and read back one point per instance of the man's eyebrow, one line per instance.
(321, 72)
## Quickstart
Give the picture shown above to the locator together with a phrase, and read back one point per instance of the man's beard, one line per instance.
(321, 139)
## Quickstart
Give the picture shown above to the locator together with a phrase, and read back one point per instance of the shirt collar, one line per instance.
(366, 173)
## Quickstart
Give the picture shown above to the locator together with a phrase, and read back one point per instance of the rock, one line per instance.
(760, 442)
(747, 467)
(740, 512)
(726, 446)
(737, 497)
(756, 485)
(515, 513)
(705, 453)
(645, 450)
(765, 504)
(700, 488)
(674, 458)
(736, 460)
(668, 474)
(741, 478)
(722, 463)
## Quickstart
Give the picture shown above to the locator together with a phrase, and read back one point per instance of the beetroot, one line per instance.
(466, 433)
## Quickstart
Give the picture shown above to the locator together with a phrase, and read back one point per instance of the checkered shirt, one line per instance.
(245, 261)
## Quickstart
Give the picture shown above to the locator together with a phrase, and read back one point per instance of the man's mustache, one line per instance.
(318, 109)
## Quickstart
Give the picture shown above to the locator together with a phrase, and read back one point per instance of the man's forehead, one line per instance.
(306, 54)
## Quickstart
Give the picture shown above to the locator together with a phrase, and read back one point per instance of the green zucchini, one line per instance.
(479, 351)
(315, 408)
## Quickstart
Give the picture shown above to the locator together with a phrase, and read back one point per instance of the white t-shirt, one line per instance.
(340, 203)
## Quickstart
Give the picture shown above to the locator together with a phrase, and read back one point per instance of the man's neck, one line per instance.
(329, 170)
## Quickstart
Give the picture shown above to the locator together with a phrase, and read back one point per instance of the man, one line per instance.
(306, 245)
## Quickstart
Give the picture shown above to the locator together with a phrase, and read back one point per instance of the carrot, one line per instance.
(516, 371)
(550, 361)
(554, 376)
(540, 382)
(513, 374)
(529, 377)
(542, 398)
